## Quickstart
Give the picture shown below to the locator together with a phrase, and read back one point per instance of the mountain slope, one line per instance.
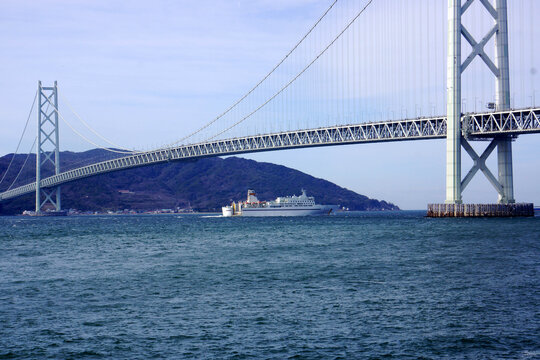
(205, 184)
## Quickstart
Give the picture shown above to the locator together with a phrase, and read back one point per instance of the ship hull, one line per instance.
(289, 211)
(227, 211)
(46, 213)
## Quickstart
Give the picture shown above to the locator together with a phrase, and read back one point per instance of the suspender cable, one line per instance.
(87, 139)
(24, 164)
(531, 54)
(298, 75)
(259, 83)
(522, 55)
(20, 140)
(91, 129)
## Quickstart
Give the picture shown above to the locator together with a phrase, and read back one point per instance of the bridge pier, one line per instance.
(480, 210)
(504, 184)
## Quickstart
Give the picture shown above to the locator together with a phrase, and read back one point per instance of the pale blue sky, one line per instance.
(145, 73)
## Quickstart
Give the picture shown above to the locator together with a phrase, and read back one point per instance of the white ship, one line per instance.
(283, 206)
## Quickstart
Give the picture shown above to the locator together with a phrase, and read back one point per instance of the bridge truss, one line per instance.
(474, 126)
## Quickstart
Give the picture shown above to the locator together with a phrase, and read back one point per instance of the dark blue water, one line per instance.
(365, 285)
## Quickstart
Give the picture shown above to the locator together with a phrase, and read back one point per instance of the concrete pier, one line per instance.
(480, 210)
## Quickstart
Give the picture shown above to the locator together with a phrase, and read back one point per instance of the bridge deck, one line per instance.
(484, 125)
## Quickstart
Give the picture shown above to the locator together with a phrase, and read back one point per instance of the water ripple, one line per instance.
(360, 285)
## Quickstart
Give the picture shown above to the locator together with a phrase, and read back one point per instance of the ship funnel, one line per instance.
(251, 198)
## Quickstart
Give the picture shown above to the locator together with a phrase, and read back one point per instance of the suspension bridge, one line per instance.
(325, 73)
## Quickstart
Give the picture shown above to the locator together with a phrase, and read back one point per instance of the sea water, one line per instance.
(355, 285)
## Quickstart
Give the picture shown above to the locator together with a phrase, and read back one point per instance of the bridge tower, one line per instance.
(500, 69)
(48, 145)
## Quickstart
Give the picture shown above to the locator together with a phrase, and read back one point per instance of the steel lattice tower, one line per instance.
(500, 69)
(48, 149)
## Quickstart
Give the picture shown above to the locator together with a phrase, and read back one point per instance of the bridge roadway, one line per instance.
(481, 125)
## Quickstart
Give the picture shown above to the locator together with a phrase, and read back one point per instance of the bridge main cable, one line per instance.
(297, 75)
(235, 104)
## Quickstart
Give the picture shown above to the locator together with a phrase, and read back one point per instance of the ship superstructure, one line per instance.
(282, 206)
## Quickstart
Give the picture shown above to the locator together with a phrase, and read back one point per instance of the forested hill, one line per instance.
(205, 185)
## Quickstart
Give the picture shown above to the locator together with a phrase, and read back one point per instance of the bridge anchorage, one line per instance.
(457, 131)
